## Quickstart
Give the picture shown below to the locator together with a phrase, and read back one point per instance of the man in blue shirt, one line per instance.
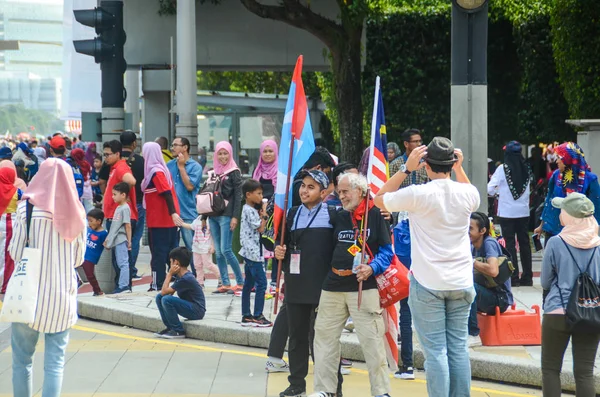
(187, 176)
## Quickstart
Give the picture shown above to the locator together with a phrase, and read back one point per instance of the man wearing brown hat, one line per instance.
(441, 280)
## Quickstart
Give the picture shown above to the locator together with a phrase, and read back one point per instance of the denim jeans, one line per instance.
(255, 273)
(114, 258)
(188, 238)
(485, 301)
(23, 341)
(406, 333)
(440, 319)
(222, 236)
(162, 240)
(122, 257)
(170, 307)
(136, 239)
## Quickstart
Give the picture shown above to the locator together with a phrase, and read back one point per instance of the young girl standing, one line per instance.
(202, 248)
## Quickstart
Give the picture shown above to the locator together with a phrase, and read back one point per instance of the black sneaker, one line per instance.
(293, 391)
(406, 373)
(248, 321)
(526, 283)
(161, 333)
(173, 335)
(262, 322)
(151, 289)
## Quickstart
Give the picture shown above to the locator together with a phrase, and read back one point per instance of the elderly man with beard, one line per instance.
(339, 298)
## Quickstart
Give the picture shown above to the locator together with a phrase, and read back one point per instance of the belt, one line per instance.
(342, 273)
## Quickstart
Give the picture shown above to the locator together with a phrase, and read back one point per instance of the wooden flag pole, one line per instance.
(284, 220)
(364, 242)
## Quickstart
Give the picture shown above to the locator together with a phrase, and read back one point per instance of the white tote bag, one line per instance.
(20, 301)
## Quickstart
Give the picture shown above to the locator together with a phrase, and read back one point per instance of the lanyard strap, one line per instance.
(295, 238)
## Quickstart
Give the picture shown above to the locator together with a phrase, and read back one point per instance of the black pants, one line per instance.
(555, 338)
(486, 301)
(518, 227)
(162, 240)
(279, 334)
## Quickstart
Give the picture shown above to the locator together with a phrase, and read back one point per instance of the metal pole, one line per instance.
(364, 242)
(187, 123)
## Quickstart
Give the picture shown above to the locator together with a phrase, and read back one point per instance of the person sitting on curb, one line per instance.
(190, 303)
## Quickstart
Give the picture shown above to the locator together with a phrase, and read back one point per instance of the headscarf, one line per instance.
(53, 190)
(573, 177)
(153, 163)
(79, 156)
(579, 232)
(19, 183)
(264, 170)
(363, 166)
(7, 187)
(90, 153)
(516, 169)
(219, 168)
(40, 153)
(394, 146)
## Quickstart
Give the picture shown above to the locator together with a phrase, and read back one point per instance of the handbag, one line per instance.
(393, 284)
(20, 301)
(506, 269)
(582, 313)
(210, 201)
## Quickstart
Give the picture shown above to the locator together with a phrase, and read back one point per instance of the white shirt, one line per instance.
(508, 207)
(439, 214)
(57, 299)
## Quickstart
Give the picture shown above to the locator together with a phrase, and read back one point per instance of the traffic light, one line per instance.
(107, 48)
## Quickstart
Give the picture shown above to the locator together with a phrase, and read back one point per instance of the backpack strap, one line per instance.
(28, 216)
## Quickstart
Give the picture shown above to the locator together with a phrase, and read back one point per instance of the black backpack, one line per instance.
(582, 312)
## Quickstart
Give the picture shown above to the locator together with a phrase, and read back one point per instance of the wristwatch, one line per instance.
(403, 169)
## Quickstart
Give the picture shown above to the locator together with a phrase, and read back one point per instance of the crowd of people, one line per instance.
(458, 267)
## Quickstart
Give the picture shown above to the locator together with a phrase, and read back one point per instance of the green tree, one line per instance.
(17, 118)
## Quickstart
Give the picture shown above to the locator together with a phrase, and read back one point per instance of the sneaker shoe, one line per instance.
(262, 322)
(224, 289)
(349, 325)
(151, 289)
(248, 321)
(136, 277)
(406, 373)
(272, 288)
(273, 366)
(526, 283)
(237, 293)
(99, 293)
(322, 394)
(124, 290)
(383, 395)
(345, 371)
(161, 333)
(293, 391)
(474, 341)
(346, 363)
(171, 334)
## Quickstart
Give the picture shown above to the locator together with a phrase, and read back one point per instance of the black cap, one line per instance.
(440, 151)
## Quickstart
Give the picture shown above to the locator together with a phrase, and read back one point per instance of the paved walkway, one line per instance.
(111, 361)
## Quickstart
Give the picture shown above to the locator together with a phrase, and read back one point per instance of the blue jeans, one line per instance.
(222, 236)
(188, 239)
(170, 307)
(114, 258)
(136, 238)
(122, 257)
(255, 273)
(406, 333)
(23, 341)
(440, 319)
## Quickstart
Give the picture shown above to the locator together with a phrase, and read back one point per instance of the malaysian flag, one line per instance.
(377, 175)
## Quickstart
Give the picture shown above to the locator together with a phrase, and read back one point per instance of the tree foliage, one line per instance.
(17, 118)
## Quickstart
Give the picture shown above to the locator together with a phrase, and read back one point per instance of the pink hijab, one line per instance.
(579, 232)
(153, 163)
(19, 183)
(219, 168)
(264, 170)
(53, 190)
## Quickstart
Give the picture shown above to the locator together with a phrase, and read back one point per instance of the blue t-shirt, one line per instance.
(188, 289)
(187, 199)
(94, 245)
(95, 178)
(491, 249)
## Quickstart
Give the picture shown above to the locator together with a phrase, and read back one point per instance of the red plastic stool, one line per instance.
(511, 328)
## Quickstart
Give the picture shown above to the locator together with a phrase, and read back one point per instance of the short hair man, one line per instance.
(187, 177)
(58, 147)
(189, 303)
(412, 139)
(441, 285)
(164, 146)
(339, 298)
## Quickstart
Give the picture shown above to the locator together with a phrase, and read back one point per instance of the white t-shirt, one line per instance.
(439, 213)
(508, 207)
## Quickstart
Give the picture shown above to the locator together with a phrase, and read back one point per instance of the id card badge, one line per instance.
(356, 262)
(295, 262)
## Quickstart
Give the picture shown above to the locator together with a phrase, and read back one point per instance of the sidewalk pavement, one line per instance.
(511, 364)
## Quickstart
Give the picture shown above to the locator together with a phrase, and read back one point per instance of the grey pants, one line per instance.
(555, 338)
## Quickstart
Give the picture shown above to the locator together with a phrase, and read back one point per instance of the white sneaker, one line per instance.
(473, 341)
(345, 371)
(273, 366)
(322, 394)
(349, 325)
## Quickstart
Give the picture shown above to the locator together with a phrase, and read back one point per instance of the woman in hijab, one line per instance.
(574, 251)
(9, 197)
(511, 184)
(266, 170)
(393, 151)
(19, 183)
(162, 211)
(40, 153)
(90, 153)
(573, 175)
(58, 231)
(86, 170)
(222, 226)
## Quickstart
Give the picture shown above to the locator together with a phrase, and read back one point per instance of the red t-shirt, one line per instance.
(157, 212)
(117, 172)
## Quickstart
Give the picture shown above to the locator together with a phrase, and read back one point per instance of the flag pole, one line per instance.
(284, 220)
(364, 243)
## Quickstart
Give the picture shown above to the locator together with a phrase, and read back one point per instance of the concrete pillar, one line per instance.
(132, 103)
(187, 122)
(589, 140)
(155, 115)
